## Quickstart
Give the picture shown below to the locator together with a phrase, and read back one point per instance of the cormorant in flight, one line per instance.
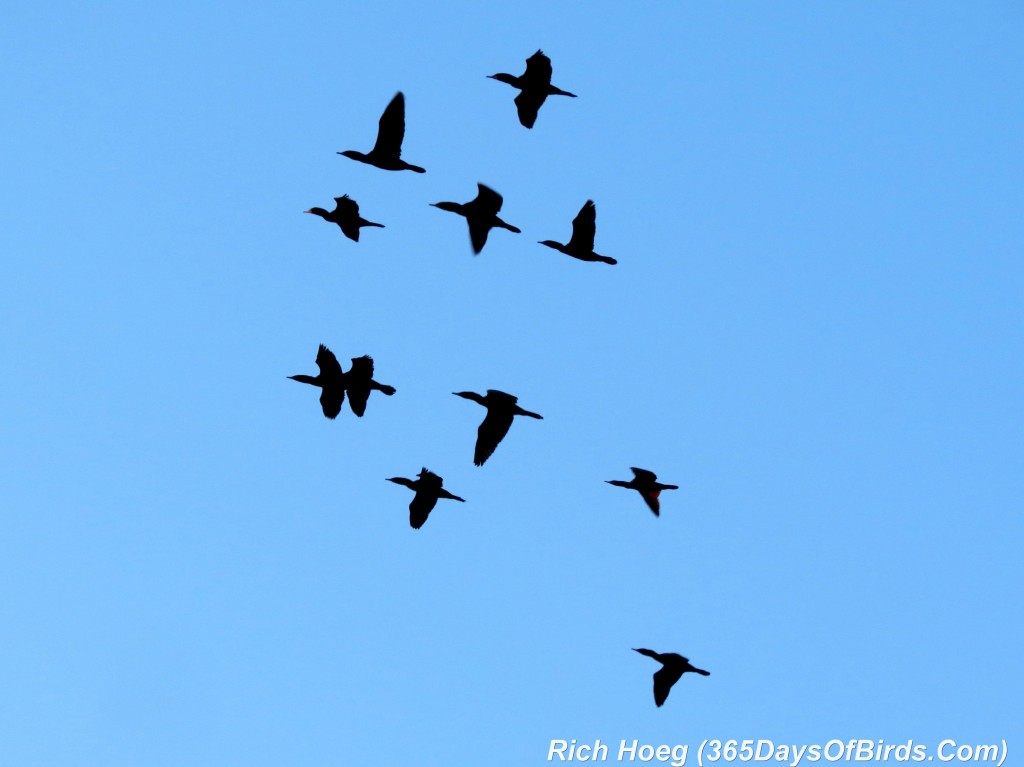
(646, 483)
(359, 383)
(501, 409)
(387, 152)
(535, 84)
(481, 214)
(428, 490)
(581, 244)
(330, 380)
(346, 215)
(673, 666)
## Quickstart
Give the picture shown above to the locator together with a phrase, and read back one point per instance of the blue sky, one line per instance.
(814, 329)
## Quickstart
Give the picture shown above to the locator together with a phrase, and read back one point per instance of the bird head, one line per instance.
(352, 154)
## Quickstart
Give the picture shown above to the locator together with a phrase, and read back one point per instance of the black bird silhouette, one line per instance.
(646, 483)
(535, 84)
(581, 244)
(387, 152)
(330, 380)
(428, 490)
(501, 409)
(673, 666)
(359, 383)
(481, 214)
(346, 215)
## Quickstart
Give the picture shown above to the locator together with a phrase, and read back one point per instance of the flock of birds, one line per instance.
(481, 214)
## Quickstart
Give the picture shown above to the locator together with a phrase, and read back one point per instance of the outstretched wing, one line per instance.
(391, 129)
(331, 398)
(583, 228)
(420, 509)
(492, 431)
(643, 475)
(538, 70)
(345, 206)
(528, 103)
(663, 681)
(651, 499)
(362, 367)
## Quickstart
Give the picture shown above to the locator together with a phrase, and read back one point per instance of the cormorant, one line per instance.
(673, 666)
(330, 380)
(387, 152)
(428, 490)
(581, 244)
(359, 383)
(535, 84)
(501, 409)
(481, 214)
(346, 215)
(645, 482)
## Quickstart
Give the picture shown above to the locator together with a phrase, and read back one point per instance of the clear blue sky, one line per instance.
(814, 329)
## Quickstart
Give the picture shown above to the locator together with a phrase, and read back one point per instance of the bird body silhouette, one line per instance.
(501, 409)
(581, 244)
(359, 383)
(534, 86)
(481, 214)
(646, 483)
(387, 152)
(346, 215)
(428, 491)
(330, 380)
(673, 666)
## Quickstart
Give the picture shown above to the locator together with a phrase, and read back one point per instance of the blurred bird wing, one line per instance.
(643, 475)
(391, 128)
(538, 69)
(478, 231)
(663, 681)
(528, 103)
(491, 432)
(651, 499)
(583, 228)
(487, 201)
(362, 367)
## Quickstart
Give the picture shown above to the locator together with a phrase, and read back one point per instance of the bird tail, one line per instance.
(385, 389)
(606, 259)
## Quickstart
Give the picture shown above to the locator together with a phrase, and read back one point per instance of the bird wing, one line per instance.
(538, 69)
(420, 508)
(643, 475)
(358, 394)
(331, 398)
(478, 231)
(328, 363)
(362, 367)
(345, 206)
(487, 201)
(493, 429)
(663, 681)
(391, 129)
(583, 228)
(651, 499)
(528, 103)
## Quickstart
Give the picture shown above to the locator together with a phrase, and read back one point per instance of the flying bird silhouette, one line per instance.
(646, 483)
(346, 215)
(428, 491)
(534, 85)
(387, 152)
(481, 214)
(330, 380)
(359, 383)
(501, 409)
(581, 244)
(673, 666)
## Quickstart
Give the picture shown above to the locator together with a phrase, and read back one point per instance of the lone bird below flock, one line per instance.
(428, 491)
(501, 409)
(535, 86)
(387, 152)
(330, 380)
(646, 483)
(346, 215)
(673, 666)
(581, 244)
(481, 214)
